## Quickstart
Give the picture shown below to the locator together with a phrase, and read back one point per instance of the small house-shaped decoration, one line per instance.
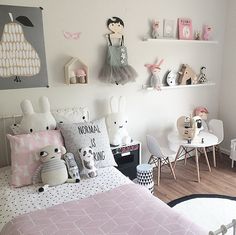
(187, 76)
(76, 72)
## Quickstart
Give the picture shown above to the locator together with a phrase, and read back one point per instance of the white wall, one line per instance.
(228, 84)
(148, 111)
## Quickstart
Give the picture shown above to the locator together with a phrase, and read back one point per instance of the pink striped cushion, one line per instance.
(24, 150)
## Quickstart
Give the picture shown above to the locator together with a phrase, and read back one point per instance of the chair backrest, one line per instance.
(216, 127)
(153, 146)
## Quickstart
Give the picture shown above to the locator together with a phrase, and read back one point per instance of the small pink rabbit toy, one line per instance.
(155, 80)
(155, 29)
(207, 30)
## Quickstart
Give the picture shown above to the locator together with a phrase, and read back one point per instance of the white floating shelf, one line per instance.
(179, 40)
(180, 86)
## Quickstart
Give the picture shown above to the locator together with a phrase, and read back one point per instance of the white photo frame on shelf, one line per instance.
(168, 28)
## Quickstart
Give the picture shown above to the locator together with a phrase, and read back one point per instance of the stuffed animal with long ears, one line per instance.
(117, 122)
(155, 29)
(155, 80)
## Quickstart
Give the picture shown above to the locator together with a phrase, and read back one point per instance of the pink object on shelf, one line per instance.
(201, 111)
(155, 28)
(207, 30)
(80, 73)
(185, 29)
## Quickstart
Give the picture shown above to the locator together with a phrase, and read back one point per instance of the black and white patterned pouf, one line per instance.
(145, 176)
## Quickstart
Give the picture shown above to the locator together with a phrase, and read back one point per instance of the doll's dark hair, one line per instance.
(115, 19)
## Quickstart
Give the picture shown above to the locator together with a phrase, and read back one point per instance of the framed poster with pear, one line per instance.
(22, 50)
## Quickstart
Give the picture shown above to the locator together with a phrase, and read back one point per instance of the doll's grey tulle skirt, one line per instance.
(116, 68)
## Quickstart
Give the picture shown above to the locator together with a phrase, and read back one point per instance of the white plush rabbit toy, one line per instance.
(117, 122)
(32, 121)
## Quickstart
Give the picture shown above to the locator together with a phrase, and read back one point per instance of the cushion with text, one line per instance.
(89, 134)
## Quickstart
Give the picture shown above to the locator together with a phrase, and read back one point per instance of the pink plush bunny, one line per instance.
(155, 80)
(155, 28)
(207, 30)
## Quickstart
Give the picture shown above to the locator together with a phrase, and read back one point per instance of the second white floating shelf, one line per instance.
(180, 40)
(180, 86)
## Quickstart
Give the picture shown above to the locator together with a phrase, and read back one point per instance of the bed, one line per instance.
(17, 201)
(107, 204)
(115, 204)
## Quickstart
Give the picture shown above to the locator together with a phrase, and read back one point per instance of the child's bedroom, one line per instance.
(117, 117)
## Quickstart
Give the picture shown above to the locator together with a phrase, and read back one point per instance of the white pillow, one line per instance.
(88, 134)
(31, 121)
(74, 115)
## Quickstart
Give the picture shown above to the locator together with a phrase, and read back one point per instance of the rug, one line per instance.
(207, 210)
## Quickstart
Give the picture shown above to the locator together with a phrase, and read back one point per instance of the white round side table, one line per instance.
(145, 176)
(203, 140)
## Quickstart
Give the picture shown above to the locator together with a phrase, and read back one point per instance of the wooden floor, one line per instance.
(222, 179)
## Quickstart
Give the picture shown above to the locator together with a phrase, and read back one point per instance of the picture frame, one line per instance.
(22, 42)
(168, 28)
(185, 29)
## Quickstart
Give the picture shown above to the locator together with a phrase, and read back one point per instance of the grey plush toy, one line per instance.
(72, 167)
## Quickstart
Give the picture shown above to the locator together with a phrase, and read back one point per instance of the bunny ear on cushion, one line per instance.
(44, 104)
(114, 104)
(122, 104)
(26, 107)
(117, 105)
(25, 21)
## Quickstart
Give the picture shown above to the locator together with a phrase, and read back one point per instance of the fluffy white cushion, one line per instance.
(34, 122)
(74, 115)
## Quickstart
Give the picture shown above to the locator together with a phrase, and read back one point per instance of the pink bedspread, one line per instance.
(128, 209)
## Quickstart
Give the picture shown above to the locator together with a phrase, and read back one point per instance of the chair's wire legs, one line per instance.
(159, 162)
(153, 160)
(178, 155)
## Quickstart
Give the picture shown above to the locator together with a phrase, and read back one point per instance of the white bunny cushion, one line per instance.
(34, 122)
(117, 122)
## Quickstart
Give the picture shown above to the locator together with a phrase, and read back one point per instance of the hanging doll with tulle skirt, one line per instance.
(116, 68)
